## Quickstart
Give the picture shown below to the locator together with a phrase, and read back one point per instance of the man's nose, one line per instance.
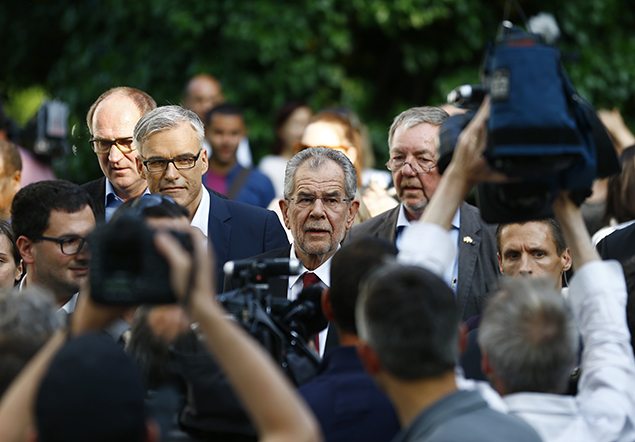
(317, 210)
(171, 172)
(526, 266)
(115, 154)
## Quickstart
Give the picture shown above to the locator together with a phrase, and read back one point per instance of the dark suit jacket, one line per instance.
(239, 231)
(97, 191)
(278, 287)
(478, 266)
(619, 245)
(346, 401)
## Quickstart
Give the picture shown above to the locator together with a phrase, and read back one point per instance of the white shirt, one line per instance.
(295, 287)
(200, 220)
(451, 272)
(604, 408)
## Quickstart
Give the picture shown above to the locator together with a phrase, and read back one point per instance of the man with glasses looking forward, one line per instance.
(412, 141)
(169, 141)
(51, 220)
(111, 120)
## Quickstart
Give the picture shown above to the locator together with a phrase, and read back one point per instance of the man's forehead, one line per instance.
(61, 220)
(532, 233)
(419, 136)
(327, 177)
(172, 141)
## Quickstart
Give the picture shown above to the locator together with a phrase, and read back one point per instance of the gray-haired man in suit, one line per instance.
(413, 152)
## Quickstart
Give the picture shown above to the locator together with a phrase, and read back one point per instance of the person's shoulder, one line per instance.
(96, 184)
(370, 226)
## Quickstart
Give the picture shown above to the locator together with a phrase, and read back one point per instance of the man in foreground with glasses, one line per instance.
(171, 158)
(51, 220)
(412, 140)
(111, 120)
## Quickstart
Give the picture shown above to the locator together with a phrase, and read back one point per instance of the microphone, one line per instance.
(261, 269)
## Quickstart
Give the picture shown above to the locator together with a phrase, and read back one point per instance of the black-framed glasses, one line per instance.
(101, 145)
(332, 203)
(69, 245)
(424, 163)
(182, 162)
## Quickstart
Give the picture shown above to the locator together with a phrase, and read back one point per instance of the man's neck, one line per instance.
(311, 262)
(221, 168)
(410, 398)
(412, 215)
(60, 298)
(133, 191)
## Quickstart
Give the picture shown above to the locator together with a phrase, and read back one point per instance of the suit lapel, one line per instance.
(218, 227)
(468, 247)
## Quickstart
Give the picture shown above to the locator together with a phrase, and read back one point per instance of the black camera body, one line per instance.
(540, 132)
(126, 268)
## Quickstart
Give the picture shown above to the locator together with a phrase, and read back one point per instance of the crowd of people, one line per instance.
(432, 324)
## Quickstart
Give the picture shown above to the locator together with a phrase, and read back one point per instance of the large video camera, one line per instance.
(284, 327)
(541, 133)
(125, 266)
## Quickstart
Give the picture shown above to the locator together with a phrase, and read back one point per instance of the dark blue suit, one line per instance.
(347, 403)
(239, 231)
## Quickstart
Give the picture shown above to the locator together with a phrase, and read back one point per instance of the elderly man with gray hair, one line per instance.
(172, 160)
(413, 150)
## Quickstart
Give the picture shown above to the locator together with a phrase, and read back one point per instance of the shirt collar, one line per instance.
(402, 220)
(201, 216)
(323, 272)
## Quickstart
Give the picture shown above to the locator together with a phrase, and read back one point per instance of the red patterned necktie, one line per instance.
(309, 279)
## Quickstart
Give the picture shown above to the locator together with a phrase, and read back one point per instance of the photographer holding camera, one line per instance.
(234, 350)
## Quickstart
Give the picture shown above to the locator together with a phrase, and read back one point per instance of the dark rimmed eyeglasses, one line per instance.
(69, 245)
(182, 162)
(332, 203)
(101, 145)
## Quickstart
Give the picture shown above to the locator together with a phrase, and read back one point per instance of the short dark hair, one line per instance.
(32, 205)
(350, 265)
(91, 391)
(144, 102)
(223, 109)
(554, 226)
(408, 315)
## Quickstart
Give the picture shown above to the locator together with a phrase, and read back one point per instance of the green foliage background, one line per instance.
(375, 56)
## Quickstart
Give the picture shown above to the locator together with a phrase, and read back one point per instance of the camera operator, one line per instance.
(235, 351)
(318, 207)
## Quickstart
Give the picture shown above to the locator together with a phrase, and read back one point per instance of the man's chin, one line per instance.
(414, 208)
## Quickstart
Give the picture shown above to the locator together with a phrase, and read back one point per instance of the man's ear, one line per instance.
(140, 168)
(327, 308)
(204, 160)
(369, 358)
(352, 211)
(566, 260)
(500, 262)
(284, 208)
(25, 247)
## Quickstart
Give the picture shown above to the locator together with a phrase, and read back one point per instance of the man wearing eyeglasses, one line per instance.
(51, 220)
(171, 158)
(111, 120)
(412, 141)
(319, 208)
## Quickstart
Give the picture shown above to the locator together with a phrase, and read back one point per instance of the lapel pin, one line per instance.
(468, 240)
